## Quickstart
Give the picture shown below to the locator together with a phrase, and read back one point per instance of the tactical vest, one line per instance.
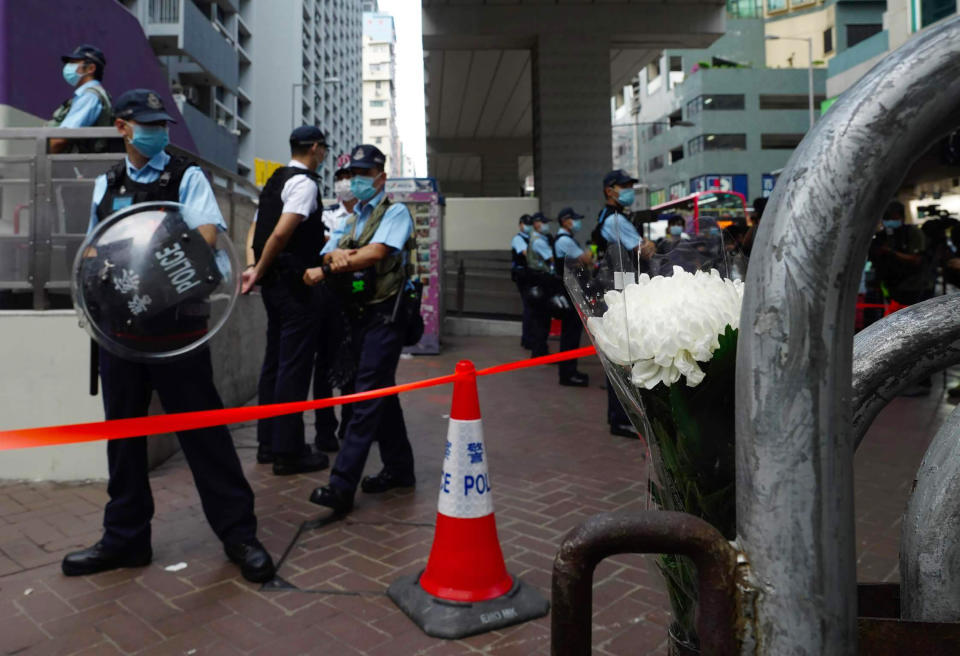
(303, 248)
(519, 259)
(534, 261)
(104, 119)
(558, 262)
(390, 272)
(122, 191)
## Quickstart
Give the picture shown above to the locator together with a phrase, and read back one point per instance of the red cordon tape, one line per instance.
(117, 429)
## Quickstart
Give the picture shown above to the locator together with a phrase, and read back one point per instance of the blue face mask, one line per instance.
(625, 197)
(544, 228)
(362, 187)
(676, 231)
(149, 140)
(70, 73)
(892, 224)
(577, 224)
(527, 229)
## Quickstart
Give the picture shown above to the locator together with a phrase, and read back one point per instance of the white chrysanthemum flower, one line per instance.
(663, 327)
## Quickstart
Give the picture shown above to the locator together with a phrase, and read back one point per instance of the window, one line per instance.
(378, 103)
(933, 10)
(744, 9)
(708, 142)
(675, 117)
(676, 154)
(858, 33)
(655, 163)
(378, 121)
(716, 101)
(378, 140)
(780, 141)
(776, 5)
(676, 71)
(788, 101)
(653, 77)
(828, 40)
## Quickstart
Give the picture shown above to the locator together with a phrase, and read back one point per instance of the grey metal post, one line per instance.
(794, 441)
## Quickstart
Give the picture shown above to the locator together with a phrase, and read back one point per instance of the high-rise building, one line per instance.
(205, 48)
(379, 91)
(306, 70)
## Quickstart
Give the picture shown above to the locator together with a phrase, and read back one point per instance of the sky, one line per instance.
(409, 83)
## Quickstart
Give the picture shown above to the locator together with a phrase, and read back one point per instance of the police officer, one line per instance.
(184, 385)
(622, 244)
(329, 346)
(518, 272)
(370, 252)
(569, 253)
(286, 240)
(542, 281)
(89, 106)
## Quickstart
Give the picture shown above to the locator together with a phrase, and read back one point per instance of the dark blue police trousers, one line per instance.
(570, 331)
(293, 320)
(378, 345)
(183, 385)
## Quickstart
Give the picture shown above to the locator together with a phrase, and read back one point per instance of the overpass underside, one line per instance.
(520, 86)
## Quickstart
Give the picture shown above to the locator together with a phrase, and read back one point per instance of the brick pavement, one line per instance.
(548, 475)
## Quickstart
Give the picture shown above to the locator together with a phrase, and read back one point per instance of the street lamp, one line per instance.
(809, 40)
(293, 96)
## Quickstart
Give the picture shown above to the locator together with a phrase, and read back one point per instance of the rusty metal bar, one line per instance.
(655, 532)
(795, 441)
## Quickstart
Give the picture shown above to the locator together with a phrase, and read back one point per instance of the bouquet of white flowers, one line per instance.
(668, 346)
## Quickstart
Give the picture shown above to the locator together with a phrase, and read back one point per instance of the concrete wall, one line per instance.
(483, 224)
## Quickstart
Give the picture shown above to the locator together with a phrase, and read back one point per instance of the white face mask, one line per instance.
(342, 189)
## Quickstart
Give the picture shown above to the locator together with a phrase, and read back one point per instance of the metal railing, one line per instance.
(45, 204)
(164, 11)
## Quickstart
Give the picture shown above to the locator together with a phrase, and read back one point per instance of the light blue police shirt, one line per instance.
(394, 229)
(541, 244)
(195, 192)
(567, 247)
(617, 229)
(518, 244)
(85, 108)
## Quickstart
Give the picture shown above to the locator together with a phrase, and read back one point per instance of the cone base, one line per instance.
(452, 620)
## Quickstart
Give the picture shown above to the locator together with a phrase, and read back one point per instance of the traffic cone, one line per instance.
(465, 588)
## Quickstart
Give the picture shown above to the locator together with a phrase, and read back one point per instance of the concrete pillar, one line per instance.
(500, 174)
(571, 121)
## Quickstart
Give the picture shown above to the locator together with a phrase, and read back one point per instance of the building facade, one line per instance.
(306, 70)
(379, 88)
(205, 49)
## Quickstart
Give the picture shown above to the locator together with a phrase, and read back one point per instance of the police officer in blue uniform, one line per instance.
(286, 241)
(518, 272)
(149, 173)
(541, 274)
(617, 237)
(366, 258)
(568, 252)
(89, 105)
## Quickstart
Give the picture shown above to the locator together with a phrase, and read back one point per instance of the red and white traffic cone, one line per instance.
(465, 588)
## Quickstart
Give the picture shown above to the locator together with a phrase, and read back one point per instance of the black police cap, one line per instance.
(538, 216)
(619, 177)
(568, 213)
(86, 52)
(526, 219)
(308, 134)
(366, 156)
(141, 105)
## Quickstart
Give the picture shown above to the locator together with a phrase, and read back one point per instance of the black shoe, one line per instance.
(577, 379)
(330, 497)
(309, 461)
(264, 455)
(622, 430)
(98, 559)
(386, 481)
(327, 442)
(255, 563)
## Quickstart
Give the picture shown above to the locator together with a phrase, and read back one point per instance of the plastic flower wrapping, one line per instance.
(665, 328)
